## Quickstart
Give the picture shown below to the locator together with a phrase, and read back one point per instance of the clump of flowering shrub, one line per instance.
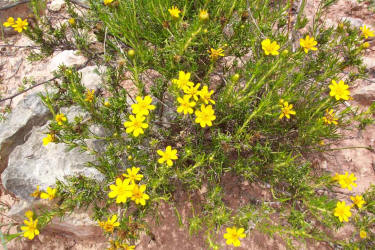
(280, 99)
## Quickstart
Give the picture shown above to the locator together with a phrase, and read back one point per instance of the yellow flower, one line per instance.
(135, 125)
(143, 105)
(308, 43)
(29, 214)
(138, 195)
(185, 105)
(270, 48)
(60, 118)
(366, 32)
(133, 175)
(339, 90)
(347, 181)
(330, 117)
(107, 2)
(203, 15)
(167, 156)
(174, 12)
(50, 194)
(216, 53)
(116, 245)
(234, 235)
(358, 200)
(107, 104)
(122, 190)
(49, 138)
(366, 45)
(336, 177)
(183, 80)
(36, 193)
(9, 22)
(286, 110)
(90, 95)
(205, 116)
(30, 229)
(72, 21)
(205, 95)
(110, 224)
(363, 234)
(192, 91)
(342, 211)
(20, 25)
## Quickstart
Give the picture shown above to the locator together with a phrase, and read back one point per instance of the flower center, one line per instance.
(205, 117)
(286, 111)
(340, 91)
(108, 227)
(309, 44)
(167, 156)
(347, 181)
(235, 235)
(186, 105)
(143, 105)
(137, 124)
(269, 48)
(137, 194)
(341, 211)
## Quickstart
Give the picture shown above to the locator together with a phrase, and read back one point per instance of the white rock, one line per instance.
(56, 5)
(67, 57)
(369, 61)
(91, 76)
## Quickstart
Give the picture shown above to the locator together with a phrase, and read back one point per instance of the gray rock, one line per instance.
(356, 22)
(77, 225)
(365, 95)
(74, 111)
(33, 164)
(95, 144)
(228, 30)
(13, 132)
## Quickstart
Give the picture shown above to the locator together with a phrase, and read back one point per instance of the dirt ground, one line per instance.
(168, 234)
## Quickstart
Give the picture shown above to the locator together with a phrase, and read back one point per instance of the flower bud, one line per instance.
(72, 21)
(235, 77)
(366, 45)
(203, 15)
(131, 53)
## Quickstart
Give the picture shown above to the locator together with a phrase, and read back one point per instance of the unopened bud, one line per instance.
(203, 15)
(131, 53)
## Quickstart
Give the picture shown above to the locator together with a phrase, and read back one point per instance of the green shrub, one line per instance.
(269, 114)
